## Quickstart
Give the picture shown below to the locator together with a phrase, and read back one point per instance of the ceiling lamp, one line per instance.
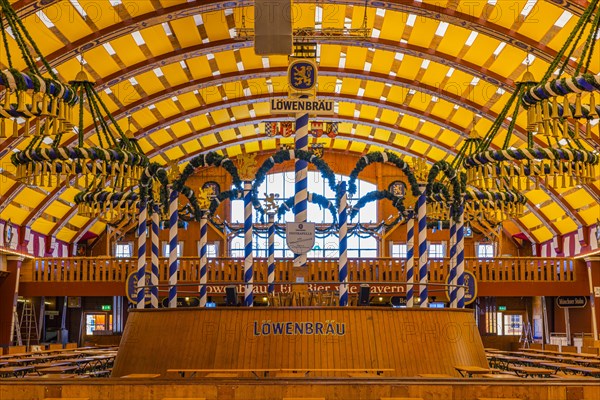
(109, 207)
(560, 160)
(116, 161)
(28, 95)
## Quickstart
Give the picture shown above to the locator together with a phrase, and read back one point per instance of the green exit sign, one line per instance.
(501, 308)
(106, 307)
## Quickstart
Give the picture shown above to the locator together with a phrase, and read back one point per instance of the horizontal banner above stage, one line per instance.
(291, 106)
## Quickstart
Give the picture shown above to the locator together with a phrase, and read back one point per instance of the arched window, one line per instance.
(326, 245)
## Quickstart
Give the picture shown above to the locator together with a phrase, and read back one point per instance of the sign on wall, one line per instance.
(571, 301)
(470, 289)
(300, 236)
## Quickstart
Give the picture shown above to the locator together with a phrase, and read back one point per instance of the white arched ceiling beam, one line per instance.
(191, 8)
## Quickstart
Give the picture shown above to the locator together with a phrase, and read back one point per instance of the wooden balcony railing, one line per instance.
(109, 269)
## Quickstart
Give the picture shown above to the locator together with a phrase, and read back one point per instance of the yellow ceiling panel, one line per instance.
(66, 235)
(346, 109)
(437, 154)
(227, 135)
(174, 74)
(250, 59)
(537, 196)
(144, 117)
(357, 147)
(388, 117)
(356, 57)
(69, 194)
(454, 40)
(174, 154)
(578, 199)
(208, 140)
(481, 49)
(374, 89)
(98, 228)
(330, 56)
(78, 221)
(382, 62)
(125, 92)
(401, 141)
(186, 31)
(339, 144)
(226, 62)
(464, 118)
(350, 86)
(220, 117)
(268, 145)
(240, 112)
(397, 94)
(591, 215)
(75, 29)
(541, 18)
(409, 67)
(30, 197)
(508, 60)
(57, 210)
(246, 131)
(409, 124)
(160, 137)
(192, 146)
(199, 67)
(251, 147)
(180, 128)
(382, 134)
(234, 150)
(530, 220)
(42, 226)
(6, 183)
(542, 235)
(362, 130)
(430, 130)
(129, 52)
(188, 100)
(423, 31)
(393, 25)
(200, 122)
(419, 147)
(368, 112)
(304, 15)
(45, 40)
(565, 225)
(15, 214)
(216, 26)
(167, 108)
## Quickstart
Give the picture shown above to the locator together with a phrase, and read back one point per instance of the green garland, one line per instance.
(457, 181)
(314, 198)
(207, 160)
(375, 195)
(382, 157)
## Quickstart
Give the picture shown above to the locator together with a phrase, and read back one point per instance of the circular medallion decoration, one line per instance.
(397, 188)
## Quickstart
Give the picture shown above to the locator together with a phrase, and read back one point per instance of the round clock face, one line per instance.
(398, 188)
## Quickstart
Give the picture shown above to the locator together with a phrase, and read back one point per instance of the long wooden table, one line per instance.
(264, 372)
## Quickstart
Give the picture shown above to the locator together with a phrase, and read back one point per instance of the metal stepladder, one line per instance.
(526, 335)
(16, 339)
(28, 328)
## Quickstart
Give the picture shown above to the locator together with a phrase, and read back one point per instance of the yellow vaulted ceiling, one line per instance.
(428, 75)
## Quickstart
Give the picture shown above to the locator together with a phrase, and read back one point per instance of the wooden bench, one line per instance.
(304, 398)
(498, 398)
(400, 398)
(588, 371)
(98, 374)
(141, 376)
(183, 398)
(471, 370)
(435, 376)
(17, 372)
(526, 372)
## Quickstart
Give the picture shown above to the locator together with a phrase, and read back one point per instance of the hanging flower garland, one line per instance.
(314, 198)
(375, 195)
(382, 157)
(208, 160)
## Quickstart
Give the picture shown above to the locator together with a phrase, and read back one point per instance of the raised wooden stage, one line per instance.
(396, 342)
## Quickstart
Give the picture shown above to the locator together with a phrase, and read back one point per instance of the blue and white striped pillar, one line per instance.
(343, 237)
(154, 274)
(410, 260)
(301, 186)
(271, 254)
(460, 260)
(452, 268)
(248, 257)
(423, 251)
(173, 241)
(141, 261)
(203, 258)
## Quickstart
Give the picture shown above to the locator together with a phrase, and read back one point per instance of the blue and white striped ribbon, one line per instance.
(452, 271)
(203, 259)
(141, 261)
(423, 251)
(173, 241)
(248, 258)
(343, 261)
(410, 260)
(154, 275)
(301, 185)
(460, 260)
(271, 254)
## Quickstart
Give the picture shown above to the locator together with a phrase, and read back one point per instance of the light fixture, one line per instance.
(28, 96)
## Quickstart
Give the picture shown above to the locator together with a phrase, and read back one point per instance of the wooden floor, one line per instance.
(403, 342)
(274, 389)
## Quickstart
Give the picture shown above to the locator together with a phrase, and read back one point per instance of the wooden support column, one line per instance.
(593, 268)
(9, 292)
